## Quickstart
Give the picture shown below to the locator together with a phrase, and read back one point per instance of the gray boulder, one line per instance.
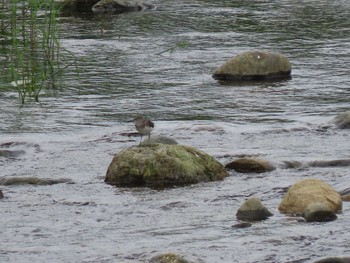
(161, 165)
(253, 210)
(254, 65)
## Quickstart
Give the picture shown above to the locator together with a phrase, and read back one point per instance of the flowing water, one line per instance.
(123, 71)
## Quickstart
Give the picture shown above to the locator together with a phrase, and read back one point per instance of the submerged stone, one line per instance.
(120, 6)
(16, 180)
(1, 194)
(76, 6)
(319, 212)
(250, 165)
(342, 121)
(334, 260)
(307, 192)
(254, 65)
(168, 258)
(11, 153)
(161, 165)
(253, 210)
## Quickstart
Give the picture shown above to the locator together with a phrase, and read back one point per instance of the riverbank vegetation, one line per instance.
(30, 47)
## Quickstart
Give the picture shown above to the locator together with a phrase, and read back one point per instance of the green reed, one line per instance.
(30, 31)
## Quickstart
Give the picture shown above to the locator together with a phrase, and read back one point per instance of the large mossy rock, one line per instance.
(254, 65)
(160, 165)
(307, 192)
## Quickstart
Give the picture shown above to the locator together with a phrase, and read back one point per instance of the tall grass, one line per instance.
(31, 36)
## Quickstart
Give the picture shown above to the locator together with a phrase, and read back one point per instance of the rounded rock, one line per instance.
(254, 65)
(309, 191)
(253, 210)
(250, 165)
(319, 212)
(162, 165)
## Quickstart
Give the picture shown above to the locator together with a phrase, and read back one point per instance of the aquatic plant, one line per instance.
(30, 39)
(180, 44)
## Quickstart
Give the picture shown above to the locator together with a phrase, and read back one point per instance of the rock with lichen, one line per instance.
(254, 65)
(309, 191)
(161, 165)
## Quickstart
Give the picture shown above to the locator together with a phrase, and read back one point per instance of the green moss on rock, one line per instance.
(161, 165)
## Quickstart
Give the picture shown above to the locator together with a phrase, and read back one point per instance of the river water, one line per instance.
(74, 133)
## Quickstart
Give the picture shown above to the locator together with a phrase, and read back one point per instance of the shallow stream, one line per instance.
(123, 71)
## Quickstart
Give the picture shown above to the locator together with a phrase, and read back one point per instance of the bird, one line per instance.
(143, 126)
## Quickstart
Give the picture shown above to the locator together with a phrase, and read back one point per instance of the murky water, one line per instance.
(75, 132)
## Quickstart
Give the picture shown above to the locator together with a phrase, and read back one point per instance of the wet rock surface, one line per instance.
(309, 191)
(120, 6)
(334, 260)
(254, 65)
(169, 258)
(319, 212)
(160, 165)
(250, 165)
(10, 153)
(253, 210)
(14, 180)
